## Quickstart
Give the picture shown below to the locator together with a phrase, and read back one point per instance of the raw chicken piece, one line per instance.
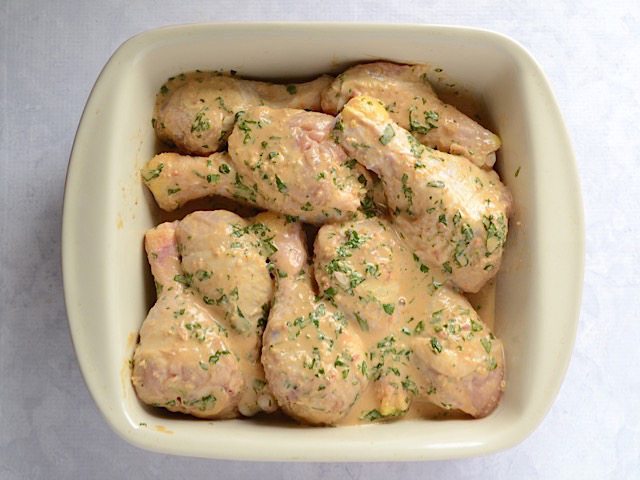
(199, 346)
(280, 159)
(412, 103)
(423, 339)
(196, 111)
(176, 179)
(297, 166)
(452, 213)
(313, 362)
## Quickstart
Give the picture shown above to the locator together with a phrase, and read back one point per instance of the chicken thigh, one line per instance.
(412, 103)
(312, 360)
(281, 159)
(451, 212)
(423, 340)
(199, 350)
(196, 111)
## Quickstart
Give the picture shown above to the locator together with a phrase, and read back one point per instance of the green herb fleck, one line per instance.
(362, 322)
(407, 192)
(492, 364)
(201, 122)
(282, 187)
(213, 359)
(154, 173)
(221, 104)
(208, 301)
(417, 149)
(410, 386)
(350, 163)
(387, 135)
(185, 279)
(329, 293)
(389, 308)
(430, 119)
(372, 415)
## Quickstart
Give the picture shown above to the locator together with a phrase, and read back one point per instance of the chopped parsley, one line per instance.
(221, 104)
(350, 163)
(154, 173)
(185, 279)
(372, 415)
(407, 192)
(436, 347)
(213, 359)
(282, 187)
(430, 119)
(417, 149)
(362, 322)
(387, 135)
(201, 122)
(486, 344)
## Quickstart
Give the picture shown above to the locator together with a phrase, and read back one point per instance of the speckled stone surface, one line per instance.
(50, 55)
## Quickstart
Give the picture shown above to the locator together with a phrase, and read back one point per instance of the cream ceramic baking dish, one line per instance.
(107, 210)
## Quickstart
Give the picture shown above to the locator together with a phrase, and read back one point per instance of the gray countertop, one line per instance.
(50, 55)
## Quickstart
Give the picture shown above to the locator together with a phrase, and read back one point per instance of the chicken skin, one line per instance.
(196, 111)
(199, 349)
(423, 340)
(453, 214)
(412, 104)
(312, 360)
(281, 159)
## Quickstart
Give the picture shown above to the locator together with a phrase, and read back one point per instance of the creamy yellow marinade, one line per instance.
(372, 325)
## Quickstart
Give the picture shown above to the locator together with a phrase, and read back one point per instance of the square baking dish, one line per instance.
(107, 211)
